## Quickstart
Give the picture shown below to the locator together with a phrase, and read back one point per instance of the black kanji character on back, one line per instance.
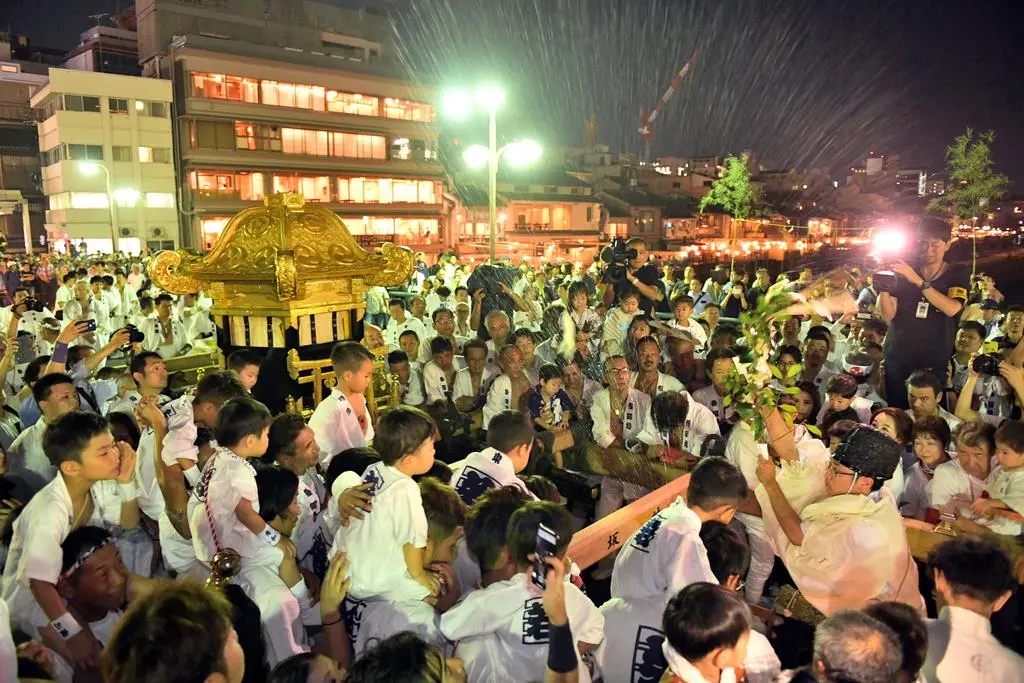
(536, 628)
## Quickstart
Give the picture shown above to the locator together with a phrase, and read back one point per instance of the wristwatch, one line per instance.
(925, 284)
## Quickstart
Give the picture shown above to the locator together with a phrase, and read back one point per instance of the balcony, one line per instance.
(371, 242)
(529, 227)
(21, 113)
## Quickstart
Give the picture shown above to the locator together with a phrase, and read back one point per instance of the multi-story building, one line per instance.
(306, 100)
(20, 179)
(110, 49)
(107, 168)
(912, 181)
(550, 214)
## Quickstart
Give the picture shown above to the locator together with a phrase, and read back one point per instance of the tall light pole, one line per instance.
(90, 168)
(459, 104)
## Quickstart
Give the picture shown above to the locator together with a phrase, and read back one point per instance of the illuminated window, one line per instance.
(118, 106)
(160, 200)
(155, 155)
(405, 191)
(250, 186)
(312, 188)
(211, 229)
(89, 200)
(146, 155)
(352, 103)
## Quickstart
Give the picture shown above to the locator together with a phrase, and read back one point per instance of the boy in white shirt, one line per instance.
(342, 420)
(974, 579)
(440, 370)
(707, 631)
(387, 546)
(613, 334)
(502, 630)
(841, 393)
(682, 307)
(80, 445)
(409, 342)
(509, 442)
(223, 510)
(370, 621)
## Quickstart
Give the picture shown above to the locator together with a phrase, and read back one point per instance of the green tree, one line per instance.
(733, 191)
(972, 185)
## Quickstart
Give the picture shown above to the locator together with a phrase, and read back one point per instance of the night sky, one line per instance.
(803, 83)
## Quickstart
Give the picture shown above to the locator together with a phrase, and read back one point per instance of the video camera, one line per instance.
(617, 256)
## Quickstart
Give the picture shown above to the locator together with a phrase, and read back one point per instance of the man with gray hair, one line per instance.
(498, 327)
(851, 646)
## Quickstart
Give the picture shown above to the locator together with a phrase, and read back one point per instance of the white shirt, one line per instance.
(284, 611)
(26, 454)
(463, 383)
(35, 551)
(499, 398)
(663, 556)
(102, 629)
(395, 330)
(665, 383)
(502, 630)
(425, 355)
(917, 494)
(696, 330)
(961, 647)
(311, 545)
(375, 544)
(64, 295)
(709, 398)
(1008, 487)
(482, 471)
(154, 341)
(435, 383)
(227, 480)
(370, 621)
(631, 650)
(951, 480)
(411, 392)
(336, 426)
(637, 424)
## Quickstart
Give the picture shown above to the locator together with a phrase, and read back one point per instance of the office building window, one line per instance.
(386, 191)
(242, 185)
(78, 200)
(155, 109)
(155, 155)
(160, 200)
(312, 188)
(81, 103)
(121, 153)
(255, 137)
(118, 106)
(307, 96)
(84, 152)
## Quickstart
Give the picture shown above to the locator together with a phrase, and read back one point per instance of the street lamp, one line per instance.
(459, 104)
(90, 168)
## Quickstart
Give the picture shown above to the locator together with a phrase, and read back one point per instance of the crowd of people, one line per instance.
(430, 541)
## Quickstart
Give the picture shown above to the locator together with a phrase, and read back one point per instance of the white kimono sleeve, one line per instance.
(585, 620)
(601, 417)
(324, 423)
(946, 485)
(496, 398)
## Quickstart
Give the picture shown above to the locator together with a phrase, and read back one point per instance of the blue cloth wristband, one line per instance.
(561, 650)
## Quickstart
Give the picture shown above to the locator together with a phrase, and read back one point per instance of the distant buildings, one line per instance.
(95, 126)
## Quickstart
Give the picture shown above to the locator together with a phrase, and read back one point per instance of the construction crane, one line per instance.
(647, 119)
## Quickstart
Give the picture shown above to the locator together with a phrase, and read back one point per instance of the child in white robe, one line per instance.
(342, 420)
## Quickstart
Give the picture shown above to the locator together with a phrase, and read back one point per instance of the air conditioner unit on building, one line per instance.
(126, 232)
(157, 232)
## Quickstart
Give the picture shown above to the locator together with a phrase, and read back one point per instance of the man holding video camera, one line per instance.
(640, 276)
(921, 307)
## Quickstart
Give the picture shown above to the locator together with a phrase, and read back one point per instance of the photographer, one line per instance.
(1013, 377)
(921, 310)
(640, 277)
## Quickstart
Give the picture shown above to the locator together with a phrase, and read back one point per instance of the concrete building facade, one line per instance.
(98, 125)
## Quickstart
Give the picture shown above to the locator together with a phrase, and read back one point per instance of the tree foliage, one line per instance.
(733, 191)
(972, 185)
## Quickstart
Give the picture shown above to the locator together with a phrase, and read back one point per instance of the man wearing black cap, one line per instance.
(848, 548)
(922, 311)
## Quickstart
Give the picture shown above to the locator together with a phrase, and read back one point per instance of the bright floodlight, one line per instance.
(457, 104)
(490, 97)
(89, 167)
(477, 156)
(523, 152)
(889, 242)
